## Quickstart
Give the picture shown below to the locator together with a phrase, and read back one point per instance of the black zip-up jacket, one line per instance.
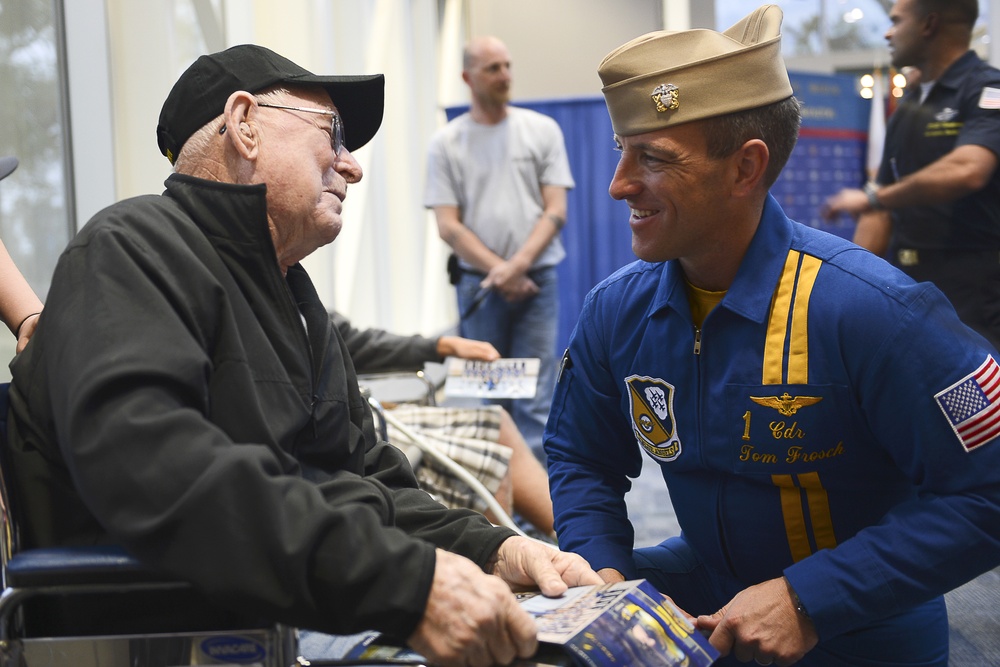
(172, 401)
(377, 351)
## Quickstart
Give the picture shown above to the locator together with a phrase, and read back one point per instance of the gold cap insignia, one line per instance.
(666, 97)
(745, 59)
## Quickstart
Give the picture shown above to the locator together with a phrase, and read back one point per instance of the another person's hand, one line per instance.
(849, 200)
(466, 348)
(525, 288)
(525, 564)
(25, 331)
(511, 281)
(610, 575)
(761, 624)
(471, 618)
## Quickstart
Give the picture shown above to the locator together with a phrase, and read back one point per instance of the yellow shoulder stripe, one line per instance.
(786, 349)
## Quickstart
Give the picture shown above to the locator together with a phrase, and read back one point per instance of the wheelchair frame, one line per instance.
(78, 572)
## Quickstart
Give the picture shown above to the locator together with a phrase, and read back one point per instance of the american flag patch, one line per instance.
(972, 405)
(990, 98)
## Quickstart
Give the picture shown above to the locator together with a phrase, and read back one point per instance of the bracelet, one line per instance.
(871, 190)
(799, 607)
(17, 331)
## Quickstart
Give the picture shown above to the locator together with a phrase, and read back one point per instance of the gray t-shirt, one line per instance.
(494, 175)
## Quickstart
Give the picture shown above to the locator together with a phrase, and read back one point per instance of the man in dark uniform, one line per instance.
(938, 188)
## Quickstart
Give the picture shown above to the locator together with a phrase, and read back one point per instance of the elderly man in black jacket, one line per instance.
(186, 396)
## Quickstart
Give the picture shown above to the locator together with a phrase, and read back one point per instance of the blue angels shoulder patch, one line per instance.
(651, 403)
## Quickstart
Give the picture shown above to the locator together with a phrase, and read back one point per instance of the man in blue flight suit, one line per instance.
(826, 427)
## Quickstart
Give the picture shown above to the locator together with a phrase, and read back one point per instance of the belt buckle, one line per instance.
(908, 257)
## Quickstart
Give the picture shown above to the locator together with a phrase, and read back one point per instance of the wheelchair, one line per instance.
(97, 606)
(390, 388)
(387, 389)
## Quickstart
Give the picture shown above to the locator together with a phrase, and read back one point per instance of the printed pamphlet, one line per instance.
(503, 378)
(625, 623)
(628, 624)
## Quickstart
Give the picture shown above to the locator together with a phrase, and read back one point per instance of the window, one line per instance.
(35, 201)
(818, 27)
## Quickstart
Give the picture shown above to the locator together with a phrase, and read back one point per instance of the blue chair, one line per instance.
(48, 617)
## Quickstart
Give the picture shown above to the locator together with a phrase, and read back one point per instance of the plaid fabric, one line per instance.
(469, 437)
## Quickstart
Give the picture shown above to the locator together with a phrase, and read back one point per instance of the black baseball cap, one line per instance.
(7, 166)
(201, 92)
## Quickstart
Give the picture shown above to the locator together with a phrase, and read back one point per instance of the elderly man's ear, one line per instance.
(241, 124)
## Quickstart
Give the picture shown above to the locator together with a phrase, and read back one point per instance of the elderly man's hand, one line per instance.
(761, 624)
(526, 564)
(471, 618)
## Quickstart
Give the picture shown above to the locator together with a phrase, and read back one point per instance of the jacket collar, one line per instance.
(750, 293)
(234, 219)
(958, 71)
(231, 215)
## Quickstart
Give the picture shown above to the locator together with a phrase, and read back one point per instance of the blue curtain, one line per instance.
(597, 236)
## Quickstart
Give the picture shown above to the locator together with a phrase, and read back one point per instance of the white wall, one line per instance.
(556, 45)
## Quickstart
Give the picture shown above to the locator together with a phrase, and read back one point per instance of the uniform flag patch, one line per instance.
(990, 98)
(972, 405)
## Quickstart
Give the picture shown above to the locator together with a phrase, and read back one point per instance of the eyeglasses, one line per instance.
(336, 124)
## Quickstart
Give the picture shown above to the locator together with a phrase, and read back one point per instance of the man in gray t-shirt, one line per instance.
(497, 178)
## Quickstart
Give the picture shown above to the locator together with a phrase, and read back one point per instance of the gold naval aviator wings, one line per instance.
(786, 404)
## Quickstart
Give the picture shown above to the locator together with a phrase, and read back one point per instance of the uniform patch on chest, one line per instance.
(945, 115)
(651, 406)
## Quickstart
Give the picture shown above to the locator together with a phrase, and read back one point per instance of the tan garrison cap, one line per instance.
(667, 78)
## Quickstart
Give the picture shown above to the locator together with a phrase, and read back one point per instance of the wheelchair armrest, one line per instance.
(103, 565)
(74, 570)
(392, 387)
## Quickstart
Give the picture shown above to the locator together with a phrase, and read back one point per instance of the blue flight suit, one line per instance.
(821, 425)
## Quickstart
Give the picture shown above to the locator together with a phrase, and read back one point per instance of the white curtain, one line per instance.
(386, 268)
(388, 265)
